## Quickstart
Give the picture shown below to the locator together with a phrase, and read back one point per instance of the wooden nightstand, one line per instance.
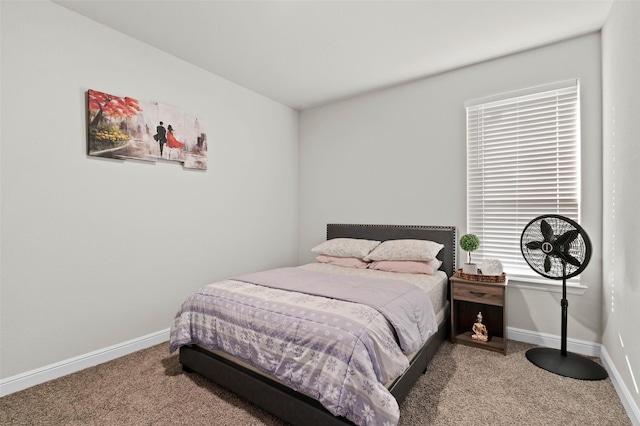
(470, 297)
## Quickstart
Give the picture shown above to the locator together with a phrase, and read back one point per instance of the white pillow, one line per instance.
(421, 250)
(346, 247)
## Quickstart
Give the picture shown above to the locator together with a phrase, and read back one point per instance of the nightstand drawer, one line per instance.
(490, 295)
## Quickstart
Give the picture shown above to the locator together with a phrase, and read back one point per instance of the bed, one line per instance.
(279, 393)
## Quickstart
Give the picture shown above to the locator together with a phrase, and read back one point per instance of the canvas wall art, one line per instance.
(124, 127)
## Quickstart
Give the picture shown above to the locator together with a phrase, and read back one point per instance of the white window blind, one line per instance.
(523, 160)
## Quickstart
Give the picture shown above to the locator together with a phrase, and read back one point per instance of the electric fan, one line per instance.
(556, 247)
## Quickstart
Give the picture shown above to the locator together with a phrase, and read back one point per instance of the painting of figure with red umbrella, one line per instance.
(170, 133)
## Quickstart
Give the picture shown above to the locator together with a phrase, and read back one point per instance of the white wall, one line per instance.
(621, 156)
(398, 156)
(98, 252)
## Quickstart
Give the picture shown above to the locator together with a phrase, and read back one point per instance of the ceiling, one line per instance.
(306, 53)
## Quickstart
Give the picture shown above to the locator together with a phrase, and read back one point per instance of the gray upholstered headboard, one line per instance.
(441, 234)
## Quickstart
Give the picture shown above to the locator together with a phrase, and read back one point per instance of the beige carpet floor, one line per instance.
(463, 386)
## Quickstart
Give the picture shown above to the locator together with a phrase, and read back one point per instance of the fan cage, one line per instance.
(579, 248)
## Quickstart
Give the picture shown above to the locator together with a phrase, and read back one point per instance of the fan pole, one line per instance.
(565, 308)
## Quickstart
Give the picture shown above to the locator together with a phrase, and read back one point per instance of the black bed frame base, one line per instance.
(284, 402)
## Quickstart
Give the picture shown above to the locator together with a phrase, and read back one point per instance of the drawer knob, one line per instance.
(477, 293)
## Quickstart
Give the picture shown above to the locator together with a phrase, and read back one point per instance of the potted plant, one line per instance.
(469, 243)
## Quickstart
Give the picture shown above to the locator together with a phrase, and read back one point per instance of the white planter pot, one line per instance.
(470, 268)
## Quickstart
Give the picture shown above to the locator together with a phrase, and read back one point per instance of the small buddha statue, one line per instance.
(479, 330)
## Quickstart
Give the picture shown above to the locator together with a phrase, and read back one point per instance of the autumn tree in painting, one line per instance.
(107, 120)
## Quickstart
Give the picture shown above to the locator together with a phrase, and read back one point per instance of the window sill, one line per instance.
(547, 285)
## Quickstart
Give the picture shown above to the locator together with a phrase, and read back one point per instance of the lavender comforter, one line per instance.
(329, 336)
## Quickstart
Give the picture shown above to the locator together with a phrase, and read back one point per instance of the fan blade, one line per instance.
(547, 264)
(567, 237)
(534, 245)
(570, 259)
(546, 230)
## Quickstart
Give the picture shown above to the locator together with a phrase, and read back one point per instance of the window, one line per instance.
(523, 160)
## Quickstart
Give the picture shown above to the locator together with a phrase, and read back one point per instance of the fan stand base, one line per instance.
(569, 365)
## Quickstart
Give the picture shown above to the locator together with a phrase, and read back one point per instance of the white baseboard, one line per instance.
(53, 371)
(625, 395)
(552, 341)
(583, 348)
